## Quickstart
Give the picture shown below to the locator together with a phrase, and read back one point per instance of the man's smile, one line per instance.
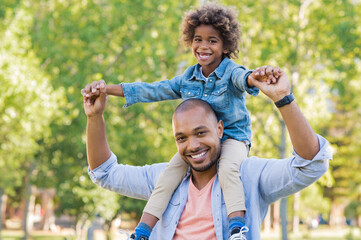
(199, 157)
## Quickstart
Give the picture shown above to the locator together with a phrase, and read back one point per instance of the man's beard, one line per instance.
(203, 168)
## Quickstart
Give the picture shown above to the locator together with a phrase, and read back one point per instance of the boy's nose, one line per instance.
(204, 44)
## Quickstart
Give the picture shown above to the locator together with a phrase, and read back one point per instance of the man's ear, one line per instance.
(220, 128)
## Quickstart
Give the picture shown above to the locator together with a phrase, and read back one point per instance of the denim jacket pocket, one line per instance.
(220, 98)
(190, 93)
(169, 213)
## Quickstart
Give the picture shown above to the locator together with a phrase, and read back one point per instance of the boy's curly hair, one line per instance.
(222, 18)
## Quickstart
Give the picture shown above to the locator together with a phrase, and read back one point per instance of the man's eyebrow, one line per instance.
(194, 130)
(178, 133)
(200, 128)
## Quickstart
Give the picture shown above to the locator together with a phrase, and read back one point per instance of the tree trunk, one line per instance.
(276, 217)
(3, 199)
(47, 221)
(82, 226)
(284, 218)
(283, 200)
(337, 218)
(29, 204)
(296, 209)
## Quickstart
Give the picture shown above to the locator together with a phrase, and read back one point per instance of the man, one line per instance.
(197, 133)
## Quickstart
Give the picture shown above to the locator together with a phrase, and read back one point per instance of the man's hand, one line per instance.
(267, 74)
(94, 98)
(275, 90)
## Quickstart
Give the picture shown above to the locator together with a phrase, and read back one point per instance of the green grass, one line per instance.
(18, 235)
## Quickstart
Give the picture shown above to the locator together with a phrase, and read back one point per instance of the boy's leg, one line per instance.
(232, 155)
(167, 182)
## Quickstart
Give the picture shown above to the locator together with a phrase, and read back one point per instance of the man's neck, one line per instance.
(201, 179)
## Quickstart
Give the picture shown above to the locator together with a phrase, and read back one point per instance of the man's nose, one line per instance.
(193, 144)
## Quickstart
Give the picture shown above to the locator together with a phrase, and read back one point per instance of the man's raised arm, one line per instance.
(98, 150)
(304, 139)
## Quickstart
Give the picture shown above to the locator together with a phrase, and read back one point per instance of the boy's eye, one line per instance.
(197, 39)
(212, 41)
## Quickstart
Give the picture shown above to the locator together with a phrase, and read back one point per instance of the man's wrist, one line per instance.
(285, 100)
(95, 118)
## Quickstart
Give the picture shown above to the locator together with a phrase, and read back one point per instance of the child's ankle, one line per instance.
(238, 222)
(143, 229)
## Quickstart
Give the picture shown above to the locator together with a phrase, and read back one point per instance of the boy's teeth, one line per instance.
(198, 155)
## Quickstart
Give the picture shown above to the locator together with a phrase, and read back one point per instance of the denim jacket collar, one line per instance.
(219, 71)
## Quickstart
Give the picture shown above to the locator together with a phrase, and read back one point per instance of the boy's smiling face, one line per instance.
(207, 47)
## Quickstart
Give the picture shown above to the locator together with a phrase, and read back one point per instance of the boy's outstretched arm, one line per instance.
(92, 90)
(115, 90)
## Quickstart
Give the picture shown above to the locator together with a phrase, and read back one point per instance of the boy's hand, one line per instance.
(267, 74)
(91, 91)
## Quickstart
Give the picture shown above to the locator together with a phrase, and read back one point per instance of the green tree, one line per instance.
(316, 42)
(79, 42)
(28, 102)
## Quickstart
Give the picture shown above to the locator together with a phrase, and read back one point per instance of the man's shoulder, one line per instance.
(252, 168)
(253, 164)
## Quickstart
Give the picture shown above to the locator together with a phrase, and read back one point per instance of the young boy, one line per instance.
(212, 32)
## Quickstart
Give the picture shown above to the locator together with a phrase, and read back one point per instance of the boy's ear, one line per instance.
(225, 51)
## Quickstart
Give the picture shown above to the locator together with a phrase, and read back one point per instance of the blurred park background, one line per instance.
(50, 49)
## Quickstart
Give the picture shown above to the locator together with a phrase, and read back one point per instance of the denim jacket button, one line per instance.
(205, 95)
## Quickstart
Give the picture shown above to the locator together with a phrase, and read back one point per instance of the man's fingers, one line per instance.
(277, 72)
(102, 86)
(269, 70)
(88, 88)
(94, 86)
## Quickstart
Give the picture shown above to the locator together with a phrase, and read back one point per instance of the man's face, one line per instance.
(197, 134)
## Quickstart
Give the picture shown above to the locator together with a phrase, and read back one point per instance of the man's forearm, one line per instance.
(98, 150)
(304, 139)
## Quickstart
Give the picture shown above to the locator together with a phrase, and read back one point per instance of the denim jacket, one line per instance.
(264, 182)
(224, 91)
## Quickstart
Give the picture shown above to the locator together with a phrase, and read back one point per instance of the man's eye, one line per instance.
(201, 133)
(180, 139)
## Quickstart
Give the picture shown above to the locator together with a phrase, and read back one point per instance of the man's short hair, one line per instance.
(195, 102)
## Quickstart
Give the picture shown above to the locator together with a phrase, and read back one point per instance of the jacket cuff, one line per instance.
(254, 91)
(129, 95)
